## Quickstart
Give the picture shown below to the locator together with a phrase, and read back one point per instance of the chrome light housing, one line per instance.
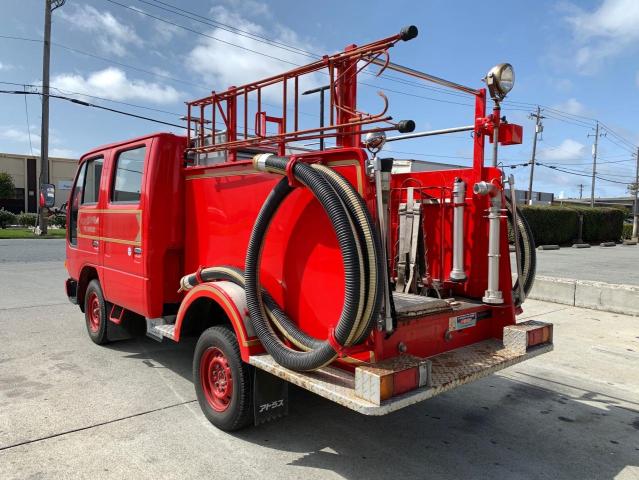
(374, 141)
(500, 80)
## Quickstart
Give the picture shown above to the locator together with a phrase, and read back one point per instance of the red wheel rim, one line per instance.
(93, 312)
(216, 379)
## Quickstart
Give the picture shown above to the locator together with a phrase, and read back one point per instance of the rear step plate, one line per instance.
(449, 370)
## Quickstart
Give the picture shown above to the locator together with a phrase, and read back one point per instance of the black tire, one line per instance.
(95, 313)
(237, 411)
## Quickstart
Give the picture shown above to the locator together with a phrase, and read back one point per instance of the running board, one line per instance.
(437, 374)
(159, 328)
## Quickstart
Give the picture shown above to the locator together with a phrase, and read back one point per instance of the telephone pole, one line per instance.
(49, 7)
(594, 164)
(635, 221)
(581, 191)
(538, 129)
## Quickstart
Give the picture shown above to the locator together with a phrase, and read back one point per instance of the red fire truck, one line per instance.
(326, 268)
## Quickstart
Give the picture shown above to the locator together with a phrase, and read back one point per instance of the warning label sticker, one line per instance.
(462, 321)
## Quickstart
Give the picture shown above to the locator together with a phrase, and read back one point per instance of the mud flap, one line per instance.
(270, 397)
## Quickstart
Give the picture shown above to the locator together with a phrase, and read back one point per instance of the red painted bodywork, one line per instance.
(198, 216)
(109, 233)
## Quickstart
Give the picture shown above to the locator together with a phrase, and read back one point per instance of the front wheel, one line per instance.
(95, 313)
(222, 381)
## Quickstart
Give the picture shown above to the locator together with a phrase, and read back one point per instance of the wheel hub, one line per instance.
(216, 379)
(93, 312)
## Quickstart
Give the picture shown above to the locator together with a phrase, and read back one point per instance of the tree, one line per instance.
(7, 187)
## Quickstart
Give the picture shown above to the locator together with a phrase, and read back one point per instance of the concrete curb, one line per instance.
(608, 297)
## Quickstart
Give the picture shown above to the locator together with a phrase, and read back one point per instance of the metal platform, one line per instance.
(449, 370)
(410, 305)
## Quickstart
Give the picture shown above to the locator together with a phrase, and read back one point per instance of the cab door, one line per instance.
(84, 238)
(125, 284)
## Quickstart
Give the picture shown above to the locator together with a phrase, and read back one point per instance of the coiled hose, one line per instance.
(363, 269)
(527, 254)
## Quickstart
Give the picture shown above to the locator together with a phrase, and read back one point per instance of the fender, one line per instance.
(230, 297)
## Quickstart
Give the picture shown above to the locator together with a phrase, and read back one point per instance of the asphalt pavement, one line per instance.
(617, 264)
(71, 409)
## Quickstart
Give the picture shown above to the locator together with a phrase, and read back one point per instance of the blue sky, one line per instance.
(577, 59)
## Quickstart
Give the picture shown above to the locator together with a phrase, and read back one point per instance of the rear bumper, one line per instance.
(448, 370)
(71, 288)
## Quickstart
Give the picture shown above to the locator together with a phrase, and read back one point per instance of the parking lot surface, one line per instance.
(601, 264)
(71, 409)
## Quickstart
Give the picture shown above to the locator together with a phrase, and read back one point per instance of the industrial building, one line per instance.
(25, 171)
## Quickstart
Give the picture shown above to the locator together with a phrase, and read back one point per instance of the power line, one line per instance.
(68, 92)
(288, 47)
(581, 174)
(104, 59)
(223, 26)
(93, 105)
(197, 32)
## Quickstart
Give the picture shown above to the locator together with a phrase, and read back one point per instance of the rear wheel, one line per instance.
(222, 381)
(95, 313)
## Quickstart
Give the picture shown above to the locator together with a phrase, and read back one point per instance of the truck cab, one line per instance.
(120, 233)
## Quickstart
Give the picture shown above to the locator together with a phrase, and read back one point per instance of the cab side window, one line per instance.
(74, 204)
(92, 178)
(127, 182)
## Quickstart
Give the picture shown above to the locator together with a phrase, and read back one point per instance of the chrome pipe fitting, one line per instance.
(457, 274)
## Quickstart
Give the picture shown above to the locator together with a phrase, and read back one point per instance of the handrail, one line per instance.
(429, 133)
(424, 76)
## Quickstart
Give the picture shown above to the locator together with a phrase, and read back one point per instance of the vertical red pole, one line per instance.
(188, 124)
(346, 92)
(245, 114)
(478, 148)
(213, 119)
(201, 126)
(296, 101)
(284, 107)
(231, 123)
(331, 101)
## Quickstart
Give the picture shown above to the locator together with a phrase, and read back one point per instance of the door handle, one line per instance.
(95, 244)
(137, 251)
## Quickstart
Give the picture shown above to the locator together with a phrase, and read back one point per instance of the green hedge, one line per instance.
(627, 231)
(560, 225)
(6, 218)
(551, 225)
(601, 224)
(27, 219)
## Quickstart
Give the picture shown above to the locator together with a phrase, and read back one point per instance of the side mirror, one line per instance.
(47, 195)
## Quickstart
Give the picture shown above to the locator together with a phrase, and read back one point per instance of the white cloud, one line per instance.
(113, 83)
(569, 149)
(18, 135)
(111, 35)
(62, 153)
(228, 65)
(5, 67)
(572, 106)
(605, 32)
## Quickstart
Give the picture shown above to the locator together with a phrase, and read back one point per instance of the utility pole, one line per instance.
(581, 191)
(635, 221)
(594, 164)
(538, 129)
(49, 7)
